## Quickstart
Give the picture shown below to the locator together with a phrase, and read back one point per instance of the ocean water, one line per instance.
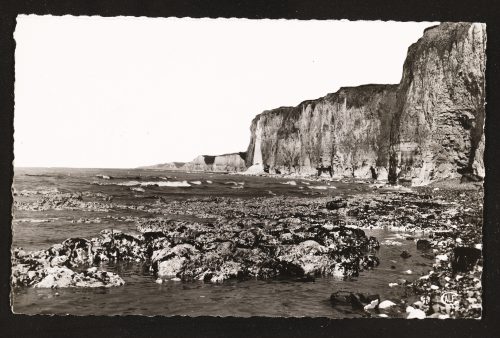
(140, 294)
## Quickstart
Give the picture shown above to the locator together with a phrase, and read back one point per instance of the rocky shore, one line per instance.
(203, 251)
(448, 223)
(299, 238)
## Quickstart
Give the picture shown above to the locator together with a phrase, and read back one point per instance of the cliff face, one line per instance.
(439, 115)
(348, 130)
(226, 162)
(429, 126)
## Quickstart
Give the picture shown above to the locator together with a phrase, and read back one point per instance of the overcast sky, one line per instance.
(125, 92)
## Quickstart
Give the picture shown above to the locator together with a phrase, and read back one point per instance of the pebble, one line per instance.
(373, 304)
(414, 313)
(442, 258)
(386, 304)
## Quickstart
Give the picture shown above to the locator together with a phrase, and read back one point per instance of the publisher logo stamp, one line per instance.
(449, 297)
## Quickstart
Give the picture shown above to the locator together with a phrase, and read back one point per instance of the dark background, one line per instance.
(132, 326)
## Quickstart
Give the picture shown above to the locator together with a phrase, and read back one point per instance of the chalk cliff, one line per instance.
(226, 162)
(428, 127)
(437, 131)
(349, 130)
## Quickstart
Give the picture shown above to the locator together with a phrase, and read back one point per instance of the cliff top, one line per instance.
(441, 37)
(240, 153)
(354, 95)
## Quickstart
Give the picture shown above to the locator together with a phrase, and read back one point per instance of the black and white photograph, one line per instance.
(237, 167)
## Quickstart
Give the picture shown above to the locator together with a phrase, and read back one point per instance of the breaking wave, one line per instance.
(147, 184)
(321, 187)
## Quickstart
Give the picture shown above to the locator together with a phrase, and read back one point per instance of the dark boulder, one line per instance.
(470, 178)
(288, 269)
(336, 203)
(423, 244)
(341, 298)
(405, 254)
(355, 300)
(464, 259)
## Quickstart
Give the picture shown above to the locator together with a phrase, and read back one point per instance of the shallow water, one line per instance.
(141, 295)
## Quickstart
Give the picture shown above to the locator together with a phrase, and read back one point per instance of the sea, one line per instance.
(33, 230)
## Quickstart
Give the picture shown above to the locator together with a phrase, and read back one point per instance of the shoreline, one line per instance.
(310, 234)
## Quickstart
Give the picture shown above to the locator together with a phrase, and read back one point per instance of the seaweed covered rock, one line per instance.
(173, 262)
(336, 203)
(117, 246)
(55, 200)
(63, 277)
(423, 244)
(465, 259)
(310, 258)
(40, 269)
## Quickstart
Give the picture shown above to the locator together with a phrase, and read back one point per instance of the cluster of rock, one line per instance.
(55, 200)
(409, 211)
(196, 251)
(205, 252)
(452, 289)
(428, 127)
(55, 267)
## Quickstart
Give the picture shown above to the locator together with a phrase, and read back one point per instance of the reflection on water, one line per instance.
(141, 295)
